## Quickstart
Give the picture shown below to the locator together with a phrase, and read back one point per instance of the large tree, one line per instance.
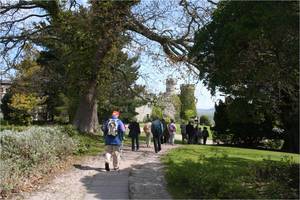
(250, 51)
(88, 34)
(188, 102)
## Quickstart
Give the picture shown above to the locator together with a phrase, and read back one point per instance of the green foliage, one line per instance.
(177, 104)
(249, 127)
(5, 108)
(75, 63)
(86, 144)
(62, 114)
(250, 50)
(188, 114)
(120, 91)
(36, 151)
(205, 172)
(204, 120)
(156, 113)
(32, 152)
(23, 107)
(188, 102)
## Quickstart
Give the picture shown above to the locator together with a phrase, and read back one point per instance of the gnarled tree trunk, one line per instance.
(86, 118)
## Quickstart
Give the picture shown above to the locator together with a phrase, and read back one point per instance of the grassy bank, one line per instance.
(233, 173)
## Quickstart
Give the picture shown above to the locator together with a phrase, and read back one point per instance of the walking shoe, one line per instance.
(107, 167)
(116, 168)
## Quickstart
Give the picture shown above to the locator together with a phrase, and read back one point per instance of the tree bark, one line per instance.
(86, 118)
(291, 140)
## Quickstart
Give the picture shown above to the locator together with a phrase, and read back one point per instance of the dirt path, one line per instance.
(140, 176)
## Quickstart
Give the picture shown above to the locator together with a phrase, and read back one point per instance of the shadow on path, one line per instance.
(106, 185)
(140, 177)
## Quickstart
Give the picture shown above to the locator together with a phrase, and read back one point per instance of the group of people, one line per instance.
(158, 130)
(193, 134)
(114, 131)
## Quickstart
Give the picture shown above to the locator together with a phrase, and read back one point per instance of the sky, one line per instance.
(154, 78)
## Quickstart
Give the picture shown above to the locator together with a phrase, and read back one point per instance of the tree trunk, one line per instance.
(291, 141)
(86, 118)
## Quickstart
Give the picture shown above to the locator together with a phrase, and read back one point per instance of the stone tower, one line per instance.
(170, 86)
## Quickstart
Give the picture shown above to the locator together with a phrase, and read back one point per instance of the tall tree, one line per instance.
(250, 50)
(98, 28)
(188, 101)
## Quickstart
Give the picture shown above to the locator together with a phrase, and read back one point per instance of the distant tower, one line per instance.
(170, 86)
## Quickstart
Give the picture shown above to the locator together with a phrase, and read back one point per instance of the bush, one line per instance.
(30, 153)
(204, 120)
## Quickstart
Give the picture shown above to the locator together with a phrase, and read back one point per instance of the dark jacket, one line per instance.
(190, 130)
(157, 128)
(134, 129)
(205, 133)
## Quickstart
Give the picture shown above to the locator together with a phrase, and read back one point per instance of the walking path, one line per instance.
(140, 177)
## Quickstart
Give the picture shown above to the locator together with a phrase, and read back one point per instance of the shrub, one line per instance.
(30, 153)
(204, 120)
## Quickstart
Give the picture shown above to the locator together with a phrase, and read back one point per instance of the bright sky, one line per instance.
(154, 78)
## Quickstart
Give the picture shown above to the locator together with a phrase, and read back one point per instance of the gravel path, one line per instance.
(140, 177)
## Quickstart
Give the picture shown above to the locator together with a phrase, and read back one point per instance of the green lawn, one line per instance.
(195, 172)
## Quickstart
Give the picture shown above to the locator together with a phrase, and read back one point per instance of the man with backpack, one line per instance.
(113, 132)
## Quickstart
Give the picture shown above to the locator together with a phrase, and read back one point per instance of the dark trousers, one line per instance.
(157, 143)
(190, 139)
(184, 137)
(204, 140)
(135, 143)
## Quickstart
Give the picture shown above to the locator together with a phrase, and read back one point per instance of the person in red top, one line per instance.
(114, 130)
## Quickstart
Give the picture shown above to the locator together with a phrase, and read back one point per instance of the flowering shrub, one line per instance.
(29, 153)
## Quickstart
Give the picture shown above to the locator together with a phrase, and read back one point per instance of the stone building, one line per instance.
(4, 86)
(169, 110)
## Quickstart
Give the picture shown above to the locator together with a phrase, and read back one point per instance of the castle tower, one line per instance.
(170, 86)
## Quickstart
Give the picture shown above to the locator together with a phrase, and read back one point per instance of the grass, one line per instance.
(195, 172)
(90, 145)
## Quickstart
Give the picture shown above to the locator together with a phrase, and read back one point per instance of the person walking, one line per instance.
(157, 131)
(183, 132)
(134, 132)
(172, 132)
(198, 134)
(147, 131)
(190, 131)
(205, 135)
(165, 135)
(114, 134)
